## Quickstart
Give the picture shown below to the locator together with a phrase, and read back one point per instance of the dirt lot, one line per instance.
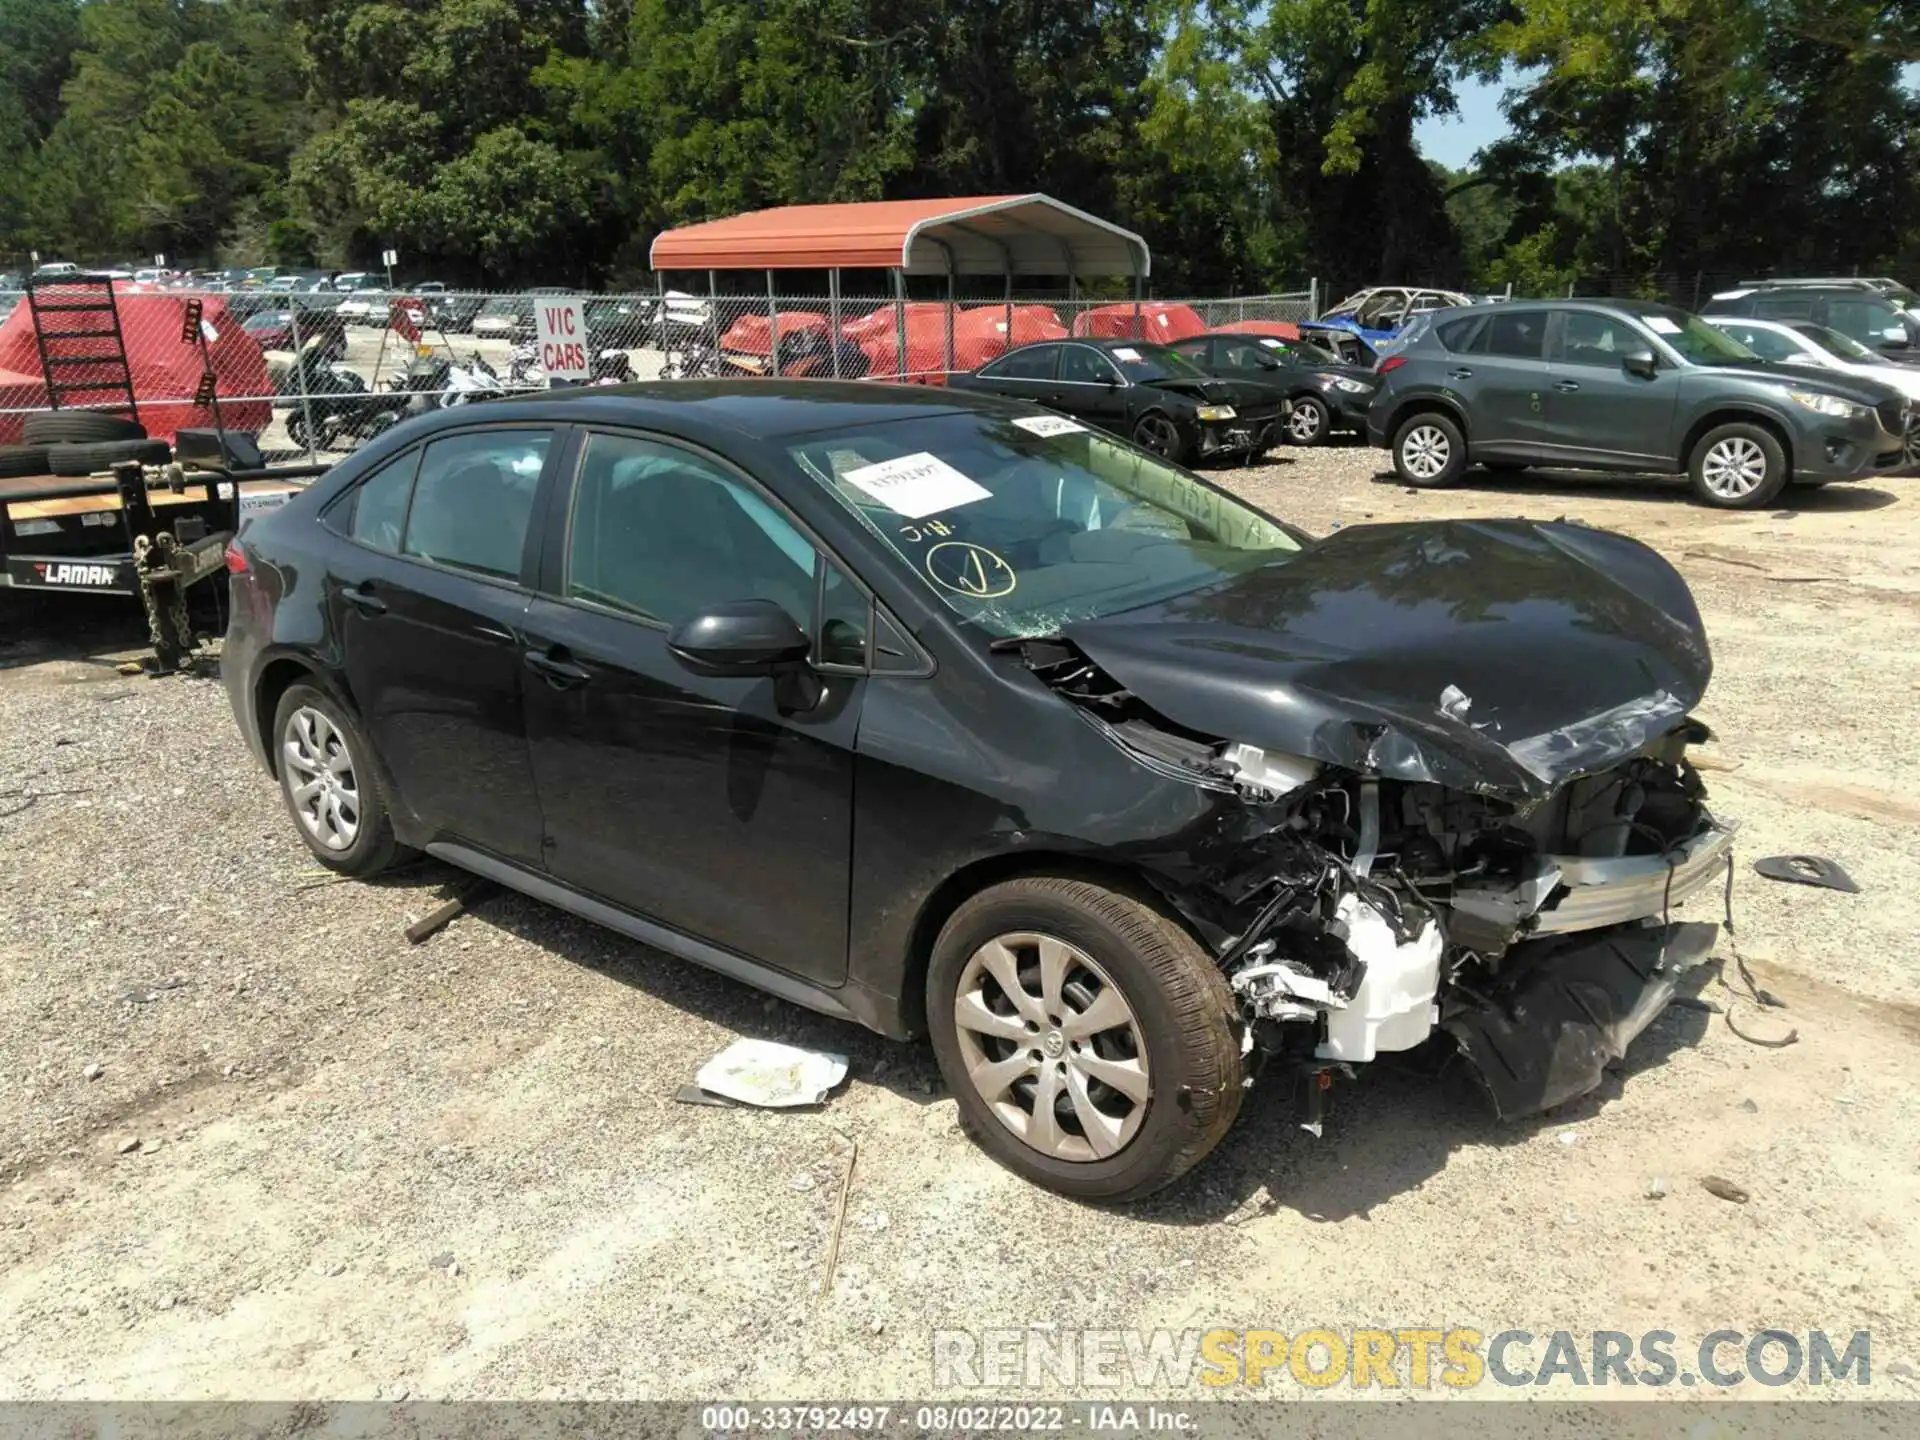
(315, 1161)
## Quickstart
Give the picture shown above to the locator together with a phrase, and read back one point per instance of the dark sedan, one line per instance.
(1156, 397)
(271, 329)
(953, 716)
(1324, 396)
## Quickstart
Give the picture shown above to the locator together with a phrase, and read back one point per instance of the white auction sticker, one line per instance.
(1049, 425)
(1660, 325)
(916, 485)
(1162, 318)
(1272, 344)
(1125, 352)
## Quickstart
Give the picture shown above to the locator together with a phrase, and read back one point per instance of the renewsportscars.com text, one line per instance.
(1410, 1357)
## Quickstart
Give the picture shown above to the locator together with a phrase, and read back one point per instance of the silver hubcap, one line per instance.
(1304, 423)
(319, 778)
(1052, 1046)
(1425, 451)
(1734, 468)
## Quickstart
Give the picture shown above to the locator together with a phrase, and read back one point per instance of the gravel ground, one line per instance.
(253, 1144)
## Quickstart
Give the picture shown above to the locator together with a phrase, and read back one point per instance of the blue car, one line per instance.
(1374, 317)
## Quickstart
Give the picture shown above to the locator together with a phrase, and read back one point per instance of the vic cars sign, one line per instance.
(560, 327)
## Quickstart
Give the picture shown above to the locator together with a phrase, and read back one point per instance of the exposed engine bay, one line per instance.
(1355, 914)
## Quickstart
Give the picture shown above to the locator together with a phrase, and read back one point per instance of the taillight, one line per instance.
(236, 558)
(1390, 364)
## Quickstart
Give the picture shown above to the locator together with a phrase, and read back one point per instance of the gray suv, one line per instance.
(1625, 385)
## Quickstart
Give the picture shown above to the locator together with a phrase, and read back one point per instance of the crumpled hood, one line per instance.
(1216, 391)
(1502, 656)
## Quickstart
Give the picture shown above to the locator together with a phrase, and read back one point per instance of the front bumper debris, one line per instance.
(1567, 1009)
(1632, 887)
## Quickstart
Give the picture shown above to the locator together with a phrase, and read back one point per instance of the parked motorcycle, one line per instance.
(328, 404)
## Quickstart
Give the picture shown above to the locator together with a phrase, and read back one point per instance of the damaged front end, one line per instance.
(1356, 912)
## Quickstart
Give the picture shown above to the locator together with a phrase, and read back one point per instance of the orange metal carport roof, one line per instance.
(976, 235)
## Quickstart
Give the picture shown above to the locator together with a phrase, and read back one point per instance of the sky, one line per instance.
(1453, 139)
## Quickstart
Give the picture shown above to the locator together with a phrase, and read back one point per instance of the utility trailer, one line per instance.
(151, 520)
(148, 532)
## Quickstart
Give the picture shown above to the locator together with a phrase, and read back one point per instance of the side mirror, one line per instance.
(741, 637)
(1642, 363)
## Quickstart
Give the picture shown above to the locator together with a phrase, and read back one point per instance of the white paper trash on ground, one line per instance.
(772, 1075)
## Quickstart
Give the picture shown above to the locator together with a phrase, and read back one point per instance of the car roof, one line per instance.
(719, 410)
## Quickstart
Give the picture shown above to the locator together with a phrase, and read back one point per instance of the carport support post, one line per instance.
(1136, 305)
(833, 316)
(306, 400)
(949, 359)
(773, 330)
(713, 315)
(900, 322)
(1009, 303)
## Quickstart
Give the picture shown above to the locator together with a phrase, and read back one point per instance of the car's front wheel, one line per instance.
(1092, 1046)
(1741, 466)
(1309, 422)
(1429, 450)
(1157, 432)
(329, 782)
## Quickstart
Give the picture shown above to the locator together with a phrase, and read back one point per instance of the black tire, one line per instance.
(1160, 432)
(1429, 451)
(1182, 1013)
(1738, 466)
(373, 846)
(17, 461)
(80, 460)
(1310, 423)
(80, 427)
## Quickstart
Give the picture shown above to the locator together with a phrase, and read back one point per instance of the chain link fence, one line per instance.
(313, 373)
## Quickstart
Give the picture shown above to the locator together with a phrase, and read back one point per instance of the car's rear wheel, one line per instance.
(1740, 466)
(1090, 1043)
(330, 783)
(1156, 432)
(1429, 450)
(1309, 422)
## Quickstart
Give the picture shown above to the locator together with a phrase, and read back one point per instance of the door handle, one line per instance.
(1566, 387)
(361, 598)
(556, 669)
(1462, 373)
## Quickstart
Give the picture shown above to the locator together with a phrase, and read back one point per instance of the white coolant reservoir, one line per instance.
(1393, 1009)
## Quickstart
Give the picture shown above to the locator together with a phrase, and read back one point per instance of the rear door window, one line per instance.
(1034, 364)
(1086, 366)
(1520, 336)
(474, 500)
(1784, 306)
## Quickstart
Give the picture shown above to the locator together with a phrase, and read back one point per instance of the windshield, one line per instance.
(1147, 363)
(1834, 343)
(1696, 340)
(1025, 525)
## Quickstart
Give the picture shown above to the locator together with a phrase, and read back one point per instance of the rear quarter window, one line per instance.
(1460, 334)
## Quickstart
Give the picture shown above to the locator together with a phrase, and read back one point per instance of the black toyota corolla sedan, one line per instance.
(953, 716)
(1161, 400)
